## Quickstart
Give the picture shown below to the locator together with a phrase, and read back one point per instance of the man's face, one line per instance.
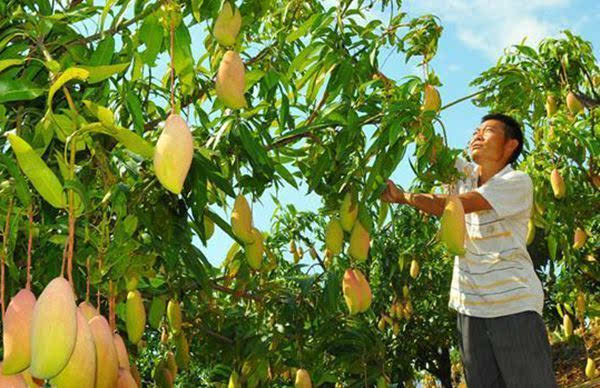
(489, 143)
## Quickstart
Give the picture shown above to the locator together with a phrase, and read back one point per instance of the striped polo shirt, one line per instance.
(495, 276)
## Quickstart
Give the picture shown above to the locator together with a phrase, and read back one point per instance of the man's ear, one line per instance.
(511, 145)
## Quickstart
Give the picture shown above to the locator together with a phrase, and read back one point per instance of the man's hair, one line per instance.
(512, 130)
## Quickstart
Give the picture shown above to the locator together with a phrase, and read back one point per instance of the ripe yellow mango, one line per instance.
(157, 311)
(590, 369)
(53, 329)
(234, 380)
(567, 325)
(574, 104)
(550, 105)
(558, 184)
(230, 81)
(452, 226)
(182, 351)
(334, 236)
(255, 250)
(530, 231)
(580, 304)
(432, 100)
(579, 238)
(125, 379)
(80, 371)
(348, 212)
(227, 26)
(241, 220)
(174, 315)
(356, 290)
(107, 361)
(360, 242)
(302, 379)
(415, 268)
(88, 310)
(121, 349)
(173, 154)
(14, 381)
(135, 316)
(16, 333)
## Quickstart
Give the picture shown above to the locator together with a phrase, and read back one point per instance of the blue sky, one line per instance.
(475, 35)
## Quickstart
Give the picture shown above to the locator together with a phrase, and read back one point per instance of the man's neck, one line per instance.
(487, 171)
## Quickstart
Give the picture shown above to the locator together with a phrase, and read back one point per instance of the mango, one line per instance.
(182, 351)
(173, 154)
(415, 268)
(126, 380)
(227, 26)
(171, 363)
(107, 361)
(381, 324)
(31, 381)
(302, 379)
(580, 304)
(157, 311)
(574, 104)
(230, 82)
(348, 212)
(121, 349)
(567, 325)
(174, 315)
(14, 381)
(241, 220)
(550, 105)
(88, 310)
(356, 290)
(53, 329)
(359, 242)
(334, 236)
(136, 375)
(590, 368)
(163, 378)
(452, 226)
(209, 227)
(255, 250)
(558, 184)
(234, 380)
(579, 238)
(80, 371)
(530, 232)
(135, 316)
(432, 100)
(16, 333)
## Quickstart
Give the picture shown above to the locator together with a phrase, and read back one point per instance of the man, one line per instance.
(495, 290)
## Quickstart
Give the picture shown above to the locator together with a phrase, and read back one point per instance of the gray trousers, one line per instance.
(510, 351)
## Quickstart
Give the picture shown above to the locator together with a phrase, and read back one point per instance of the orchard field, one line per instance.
(125, 149)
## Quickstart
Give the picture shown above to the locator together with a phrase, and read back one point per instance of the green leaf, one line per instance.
(40, 175)
(133, 142)
(134, 106)
(151, 34)
(6, 63)
(66, 76)
(100, 73)
(20, 183)
(18, 90)
(104, 52)
(303, 29)
(183, 58)
(103, 114)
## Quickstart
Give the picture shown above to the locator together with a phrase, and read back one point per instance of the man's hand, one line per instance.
(392, 193)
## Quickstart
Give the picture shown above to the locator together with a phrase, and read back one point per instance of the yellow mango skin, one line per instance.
(230, 82)
(432, 100)
(234, 380)
(348, 212)
(530, 232)
(452, 229)
(88, 310)
(15, 335)
(415, 269)
(241, 220)
(14, 381)
(126, 379)
(254, 251)
(334, 237)
(135, 316)
(550, 105)
(121, 349)
(356, 290)
(53, 329)
(574, 104)
(174, 315)
(80, 372)
(567, 325)
(29, 380)
(302, 379)
(227, 26)
(558, 184)
(360, 242)
(157, 311)
(590, 369)
(579, 238)
(107, 361)
(173, 154)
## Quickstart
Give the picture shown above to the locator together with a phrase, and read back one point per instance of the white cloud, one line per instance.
(490, 26)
